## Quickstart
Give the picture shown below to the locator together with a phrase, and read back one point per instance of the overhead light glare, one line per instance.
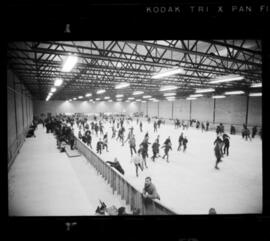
(168, 73)
(255, 94)
(218, 96)
(122, 85)
(226, 78)
(204, 90)
(58, 82)
(256, 85)
(70, 63)
(237, 92)
(138, 92)
(197, 95)
(168, 87)
(101, 92)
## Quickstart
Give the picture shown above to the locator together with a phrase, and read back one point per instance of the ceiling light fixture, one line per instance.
(204, 90)
(256, 85)
(168, 73)
(58, 82)
(236, 92)
(255, 94)
(70, 63)
(169, 94)
(226, 78)
(138, 92)
(218, 96)
(196, 95)
(101, 92)
(122, 85)
(168, 87)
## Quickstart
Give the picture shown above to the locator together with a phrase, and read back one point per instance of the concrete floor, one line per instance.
(44, 182)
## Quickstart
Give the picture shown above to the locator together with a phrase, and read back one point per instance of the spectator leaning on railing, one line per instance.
(149, 190)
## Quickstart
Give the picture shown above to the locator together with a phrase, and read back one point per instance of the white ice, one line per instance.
(44, 182)
(189, 184)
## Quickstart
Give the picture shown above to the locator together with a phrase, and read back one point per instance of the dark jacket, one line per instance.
(117, 166)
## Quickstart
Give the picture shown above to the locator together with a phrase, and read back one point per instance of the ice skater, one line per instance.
(113, 132)
(218, 151)
(99, 146)
(136, 159)
(142, 152)
(207, 125)
(155, 126)
(226, 141)
(185, 141)
(203, 127)
(180, 141)
(105, 141)
(155, 149)
(141, 127)
(167, 146)
(232, 131)
(132, 141)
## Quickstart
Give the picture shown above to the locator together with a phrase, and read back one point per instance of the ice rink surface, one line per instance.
(189, 184)
(43, 181)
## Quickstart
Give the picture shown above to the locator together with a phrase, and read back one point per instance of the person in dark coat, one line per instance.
(180, 141)
(71, 140)
(203, 127)
(254, 131)
(99, 146)
(232, 130)
(142, 152)
(113, 131)
(155, 126)
(132, 143)
(185, 141)
(105, 141)
(167, 146)
(116, 164)
(218, 151)
(141, 126)
(226, 141)
(155, 149)
(207, 126)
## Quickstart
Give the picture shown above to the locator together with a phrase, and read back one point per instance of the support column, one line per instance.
(172, 108)
(22, 107)
(246, 121)
(190, 107)
(214, 111)
(15, 108)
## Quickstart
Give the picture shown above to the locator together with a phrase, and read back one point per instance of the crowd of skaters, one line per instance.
(63, 128)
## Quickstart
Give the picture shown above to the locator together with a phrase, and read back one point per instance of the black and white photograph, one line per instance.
(150, 127)
(137, 120)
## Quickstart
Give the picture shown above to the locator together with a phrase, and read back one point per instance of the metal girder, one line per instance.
(192, 52)
(138, 61)
(200, 66)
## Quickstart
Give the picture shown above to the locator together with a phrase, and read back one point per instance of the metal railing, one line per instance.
(121, 186)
